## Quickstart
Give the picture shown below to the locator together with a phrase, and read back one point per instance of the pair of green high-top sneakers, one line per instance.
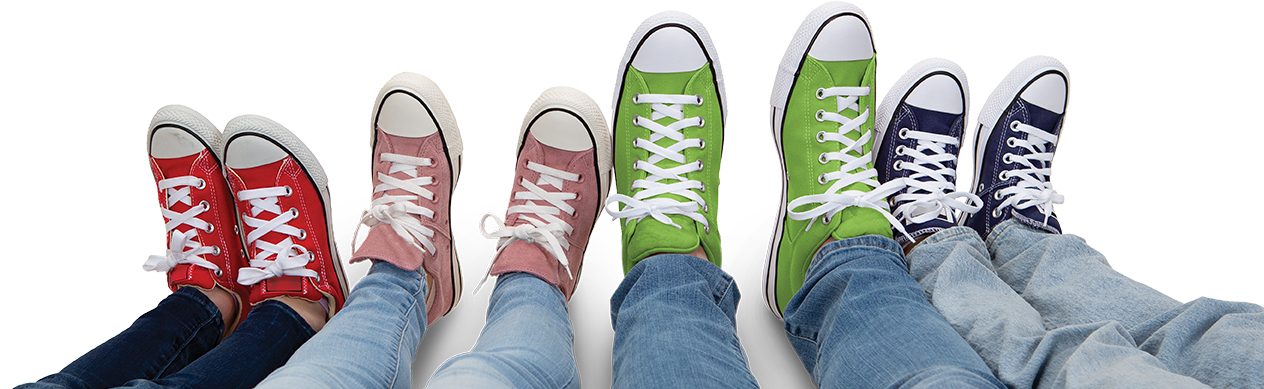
(669, 113)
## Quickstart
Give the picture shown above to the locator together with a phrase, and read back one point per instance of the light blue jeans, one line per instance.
(372, 342)
(860, 320)
(1047, 310)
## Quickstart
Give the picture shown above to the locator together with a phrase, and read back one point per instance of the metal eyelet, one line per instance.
(218, 272)
(699, 100)
(1007, 158)
(820, 137)
(821, 159)
(702, 145)
(996, 212)
(700, 165)
(294, 212)
(1003, 176)
(903, 133)
(201, 184)
(703, 188)
(820, 179)
(580, 179)
(302, 234)
(820, 115)
(827, 218)
(205, 205)
(215, 251)
(996, 196)
(1013, 125)
(210, 228)
(636, 99)
(288, 191)
(1011, 142)
(898, 165)
(820, 93)
(899, 150)
(702, 123)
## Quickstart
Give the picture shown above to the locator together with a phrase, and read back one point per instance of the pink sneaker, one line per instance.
(203, 249)
(416, 162)
(563, 175)
(283, 198)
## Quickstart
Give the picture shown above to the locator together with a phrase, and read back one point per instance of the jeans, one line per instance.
(1057, 315)
(370, 343)
(860, 320)
(526, 342)
(177, 344)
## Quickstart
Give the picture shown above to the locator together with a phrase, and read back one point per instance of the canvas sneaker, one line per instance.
(822, 121)
(919, 128)
(283, 198)
(416, 161)
(1017, 136)
(668, 137)
(203, 249)
(562, 177)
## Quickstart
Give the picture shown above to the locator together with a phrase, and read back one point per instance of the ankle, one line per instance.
(312, 312)
(224, 301)
(698, 252)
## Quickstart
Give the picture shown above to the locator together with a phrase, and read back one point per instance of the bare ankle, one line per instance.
(311, 312)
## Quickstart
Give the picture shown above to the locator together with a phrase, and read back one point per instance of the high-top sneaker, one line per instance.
(563, 175)
(1017, 135)
(204, 249)
(822, 121)
(283, 198)
(416, 160)
(919, 128)
(668, 137)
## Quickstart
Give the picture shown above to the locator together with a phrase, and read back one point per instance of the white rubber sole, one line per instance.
(1004, 94)
(670, 18)
(422, 88)
(900, 91)
(578, 103)
(271, 130)
(786, 74)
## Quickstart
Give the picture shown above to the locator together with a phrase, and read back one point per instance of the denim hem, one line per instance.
(1005, 229)
(948, 234)
(291, 314)
(195, 295)
(867, 241)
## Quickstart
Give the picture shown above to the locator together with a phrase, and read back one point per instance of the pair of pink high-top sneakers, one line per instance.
(248, 210)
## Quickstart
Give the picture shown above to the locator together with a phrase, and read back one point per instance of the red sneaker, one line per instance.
(283, 197)
(563, 176)
(416, 161)
(203, 247)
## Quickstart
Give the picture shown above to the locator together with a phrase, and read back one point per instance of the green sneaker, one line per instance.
(823, 125)
(668, 135)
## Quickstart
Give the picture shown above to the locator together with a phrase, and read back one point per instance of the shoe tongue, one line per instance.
(856, 221)
(527, 257)
(1050, 122)
(652, 237)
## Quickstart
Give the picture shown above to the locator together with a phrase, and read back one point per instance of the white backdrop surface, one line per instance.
(1158, 158)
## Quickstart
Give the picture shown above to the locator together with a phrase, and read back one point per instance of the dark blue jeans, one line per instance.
(177, 344)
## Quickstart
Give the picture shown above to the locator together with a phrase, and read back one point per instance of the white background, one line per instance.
(1159, 158)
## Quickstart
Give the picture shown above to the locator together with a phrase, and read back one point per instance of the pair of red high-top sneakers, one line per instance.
(246, 211)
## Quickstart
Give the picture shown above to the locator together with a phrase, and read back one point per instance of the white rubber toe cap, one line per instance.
(940, 93)
(1049, 91)
(669, 49)
(249, 150)
(561, 129)
(404, 115)
(844, 38)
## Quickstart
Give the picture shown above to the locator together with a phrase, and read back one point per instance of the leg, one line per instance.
(181, 328)
(860, 320)
(526, 342)
(674, 326)
(263, 342)
(1219, 343)
(955, 269)
(371, 343)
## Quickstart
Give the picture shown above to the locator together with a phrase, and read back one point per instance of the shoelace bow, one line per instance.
(538, 223)
(647, 201)
(274, 259)
(184, 246)
(854, 166)
(933, 190)
(1033, 187)
(401, 212)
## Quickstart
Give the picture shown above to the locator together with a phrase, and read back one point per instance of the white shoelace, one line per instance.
(543, 227)
(184, 246)
(284, 258)
(938, 196)
(854, 168)
(400, 211)
(672, 180)
(1033, 187)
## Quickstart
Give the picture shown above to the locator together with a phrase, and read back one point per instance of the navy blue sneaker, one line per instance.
(1018, 133)
(919, 129)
